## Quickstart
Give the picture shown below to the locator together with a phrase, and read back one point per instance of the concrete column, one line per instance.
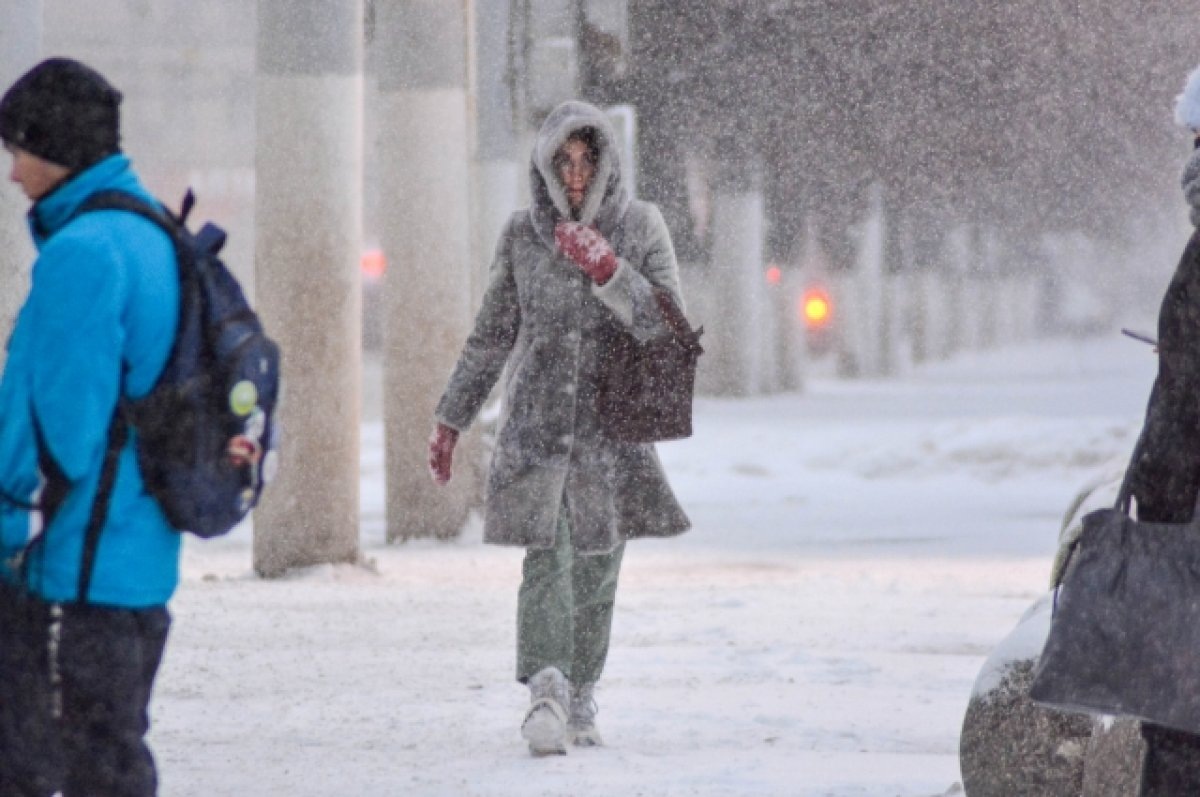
(956, 332)
(426, 233)
(861, 298)
(552, 55)
(791, 341)
(956, 296)
(736, 342)
(497, 187)
(20, 45)
(980, 289)
(927, 274)
(497, 159)
(893, 301)
(308, 203)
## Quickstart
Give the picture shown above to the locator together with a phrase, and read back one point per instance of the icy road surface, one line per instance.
(857, 551)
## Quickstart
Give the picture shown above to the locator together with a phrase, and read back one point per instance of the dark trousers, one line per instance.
(75, 685)
(1172, 765)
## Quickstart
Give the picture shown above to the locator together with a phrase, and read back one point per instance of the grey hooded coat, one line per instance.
(544, 324)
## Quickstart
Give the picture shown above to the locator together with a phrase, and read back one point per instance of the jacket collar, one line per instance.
(52, 212)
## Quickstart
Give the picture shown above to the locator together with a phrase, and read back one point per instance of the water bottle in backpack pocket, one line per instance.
(206, 434)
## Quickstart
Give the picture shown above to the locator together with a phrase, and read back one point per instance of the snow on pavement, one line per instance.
(858, 549)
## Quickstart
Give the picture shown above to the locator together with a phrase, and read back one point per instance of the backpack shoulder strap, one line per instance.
(123, 200)
(118, 432)
(118, 429)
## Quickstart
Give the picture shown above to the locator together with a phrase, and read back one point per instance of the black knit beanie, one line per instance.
(64, 112)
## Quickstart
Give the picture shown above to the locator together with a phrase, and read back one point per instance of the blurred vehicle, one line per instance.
(815, 308)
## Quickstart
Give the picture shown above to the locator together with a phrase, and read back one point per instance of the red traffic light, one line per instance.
(816, 308)
(373, 265)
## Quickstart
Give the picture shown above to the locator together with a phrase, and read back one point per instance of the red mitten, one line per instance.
(588, 249)
(441, 452)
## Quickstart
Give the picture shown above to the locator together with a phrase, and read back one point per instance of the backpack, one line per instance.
(206, 432)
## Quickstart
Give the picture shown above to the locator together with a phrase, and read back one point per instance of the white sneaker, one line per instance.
(545, 725)
(581, 725)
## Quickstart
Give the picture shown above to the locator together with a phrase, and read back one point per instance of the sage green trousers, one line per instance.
(565, 609)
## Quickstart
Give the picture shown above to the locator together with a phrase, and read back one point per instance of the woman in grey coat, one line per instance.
(570, 272)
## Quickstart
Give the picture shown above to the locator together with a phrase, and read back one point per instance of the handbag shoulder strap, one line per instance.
(674, 317)
(1125, 493)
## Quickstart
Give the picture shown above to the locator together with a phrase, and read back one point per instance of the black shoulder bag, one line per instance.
(646, 387)
(1125, 638)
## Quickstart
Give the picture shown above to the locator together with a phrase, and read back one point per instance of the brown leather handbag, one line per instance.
(646, 388)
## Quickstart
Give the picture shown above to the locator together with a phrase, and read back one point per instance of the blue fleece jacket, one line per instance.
(104, 297)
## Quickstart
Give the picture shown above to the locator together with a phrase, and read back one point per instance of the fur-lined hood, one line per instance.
(1187, 104)
(607, 197)
(1191, 185)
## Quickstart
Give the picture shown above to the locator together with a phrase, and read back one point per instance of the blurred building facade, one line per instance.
(950, 172)
(187, 72)
(982, 139)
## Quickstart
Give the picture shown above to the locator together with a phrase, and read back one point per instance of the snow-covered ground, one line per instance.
(857, 551)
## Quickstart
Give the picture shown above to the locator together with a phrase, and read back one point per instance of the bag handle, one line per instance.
(1125, 493)
(1123, 504)
(674, 317)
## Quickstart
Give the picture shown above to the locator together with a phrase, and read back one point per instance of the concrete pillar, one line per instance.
(551, 56)
(736, 342)
(624, 122)
(863, 297)
(771, 333)
(927, 273)
(20, 46)
(308, 202)
(497, 159)
(893, 344)
(426, 233)
(791, 339)
(987, 302)
(956, 295)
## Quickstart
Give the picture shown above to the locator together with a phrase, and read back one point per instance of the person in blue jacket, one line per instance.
(81, 633)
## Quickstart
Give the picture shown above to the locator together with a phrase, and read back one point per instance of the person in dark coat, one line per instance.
(1166, 476)
(572, 270)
